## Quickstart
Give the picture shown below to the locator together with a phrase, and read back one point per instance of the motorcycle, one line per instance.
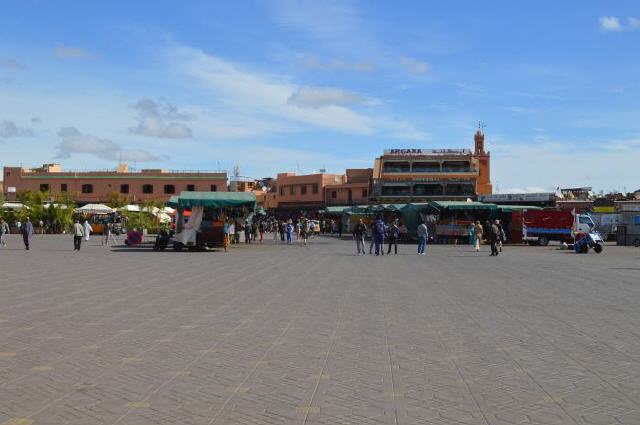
(162, 240)
(587, 241)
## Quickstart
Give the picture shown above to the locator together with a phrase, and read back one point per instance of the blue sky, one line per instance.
(301, 85)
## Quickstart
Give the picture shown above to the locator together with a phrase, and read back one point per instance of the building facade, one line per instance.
(354, 191)
(415, 175)
(301, 191)
(101, 186)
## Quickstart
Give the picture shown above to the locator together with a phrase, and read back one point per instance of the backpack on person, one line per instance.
(379, 227)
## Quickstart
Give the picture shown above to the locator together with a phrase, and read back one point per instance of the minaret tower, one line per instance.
(483, 159)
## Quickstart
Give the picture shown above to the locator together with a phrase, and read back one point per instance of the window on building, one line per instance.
(314, 188)
(87, 188)
(191, 187)
(303, 189)
(8, 173)
(44, 187)
(426, 167)
(460, 189)
(396, 167)
(169, 189)
(334, 194)
(456, 166)
(63, 187)
(400, 190)
(281, 190)
(124, 188)
(214, 188)
(292, 190)
(147, 188)
(364, 193)
(428, 189)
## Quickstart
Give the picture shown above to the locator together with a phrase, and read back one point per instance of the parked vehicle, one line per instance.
(587, 241)
(541, 226)
(628, 230)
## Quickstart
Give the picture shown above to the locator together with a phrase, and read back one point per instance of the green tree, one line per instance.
(117, 200)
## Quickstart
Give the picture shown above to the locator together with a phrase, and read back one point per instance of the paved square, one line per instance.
(316, 335)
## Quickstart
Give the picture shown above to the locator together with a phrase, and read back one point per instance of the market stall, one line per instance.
(203, 226)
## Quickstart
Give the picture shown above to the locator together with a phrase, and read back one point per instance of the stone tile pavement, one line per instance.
(316, 335)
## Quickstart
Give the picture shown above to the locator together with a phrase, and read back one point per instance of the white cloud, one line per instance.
(65, 52)
(12, 64)
(519, 109)
(414, 66)
(613, 24)
(318, 97)
(610, 23)
(633, 23)
(556, 163)
(326, 20)
(527, 189)
(312, 62)
(9, 129)
(160, 119)
(74, 142)
(471, 89)
(275, 99)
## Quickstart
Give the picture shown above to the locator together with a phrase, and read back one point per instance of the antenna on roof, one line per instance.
(481, 126)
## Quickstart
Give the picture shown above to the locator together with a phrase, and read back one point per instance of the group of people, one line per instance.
(26, 229)
(492, 231)
(380, 231)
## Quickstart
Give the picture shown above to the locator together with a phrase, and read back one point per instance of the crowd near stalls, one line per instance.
(448, 222)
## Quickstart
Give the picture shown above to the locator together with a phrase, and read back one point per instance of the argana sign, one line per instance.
(418, 151)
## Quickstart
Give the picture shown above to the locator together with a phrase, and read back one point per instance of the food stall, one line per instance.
(447, 221)
(207, 212)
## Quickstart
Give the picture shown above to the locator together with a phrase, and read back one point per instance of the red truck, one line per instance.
(541, 226)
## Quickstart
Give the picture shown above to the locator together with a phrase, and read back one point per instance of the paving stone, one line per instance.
(274, 334)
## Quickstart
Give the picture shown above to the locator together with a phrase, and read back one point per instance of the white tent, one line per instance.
(164, 217)
(12, 206)
(95, 209)
(130, 208)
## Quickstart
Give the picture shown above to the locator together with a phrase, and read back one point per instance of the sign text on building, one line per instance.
(418, 151)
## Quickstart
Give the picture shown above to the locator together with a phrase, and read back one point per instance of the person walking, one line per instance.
(394, 234)
(226, 229)
(262, 228)
(371, 230)
(87, 230)
(255, 229)
(4, 231)
(381, 230)
(78, 233)
(305, 231)
(502, 236)
(478, 233)
(358, 234)
(247, 232)
(423, 234)
(27, 233)
(494, 234)
(472, 234)
(289, 230)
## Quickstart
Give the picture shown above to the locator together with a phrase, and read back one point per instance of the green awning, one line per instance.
(335, 210)
(173, 201)
(216, 199)
(512, 208)
(462, 205)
